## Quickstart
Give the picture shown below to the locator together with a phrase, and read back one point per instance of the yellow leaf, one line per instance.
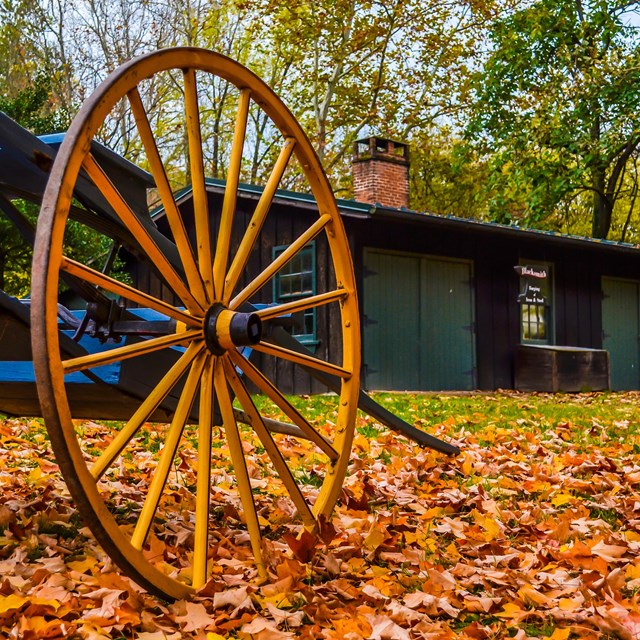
(488, 523)
(375, 538)
(421, 540)
(37, 477)
(82, 566)
(410, 537)
(34, 601)
(631, 536)
(429, 544)
(507, 483)
(434, 512)
(467, 465)
(569, 604)
(633, 571)
(12, 602)
(214, 636)
(561, 498)
(280, 600)
(560, 634)
(510, 610)
(491, 527)
(361, 442)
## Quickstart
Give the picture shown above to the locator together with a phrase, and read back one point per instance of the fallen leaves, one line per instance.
(533, 531)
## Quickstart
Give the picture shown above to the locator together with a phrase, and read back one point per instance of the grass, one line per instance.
(586, 418)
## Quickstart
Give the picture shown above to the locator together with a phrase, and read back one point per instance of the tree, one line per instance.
(445, 176)
(346, 68)
(364, 66)
(558, 111)
(27, 94)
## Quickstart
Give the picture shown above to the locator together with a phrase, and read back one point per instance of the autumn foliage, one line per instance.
(532, 531)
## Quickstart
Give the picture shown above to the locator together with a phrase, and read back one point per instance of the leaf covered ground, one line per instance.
(532, 531)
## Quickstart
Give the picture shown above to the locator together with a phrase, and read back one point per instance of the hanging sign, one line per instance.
(534, 281)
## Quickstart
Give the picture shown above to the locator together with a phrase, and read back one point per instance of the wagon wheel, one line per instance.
(209, 332)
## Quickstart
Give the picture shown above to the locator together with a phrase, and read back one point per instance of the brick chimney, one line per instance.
(381, 172)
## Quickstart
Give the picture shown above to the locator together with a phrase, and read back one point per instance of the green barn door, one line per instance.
(391, 321)
(418, 319)
(621, 330)
(447, 341)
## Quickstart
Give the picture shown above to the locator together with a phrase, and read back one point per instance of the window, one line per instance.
(296, 280)
(535, 300)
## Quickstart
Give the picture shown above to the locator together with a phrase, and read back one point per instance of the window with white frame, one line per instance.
(297, 280)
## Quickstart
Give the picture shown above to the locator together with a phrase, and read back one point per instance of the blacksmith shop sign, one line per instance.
(534, 284)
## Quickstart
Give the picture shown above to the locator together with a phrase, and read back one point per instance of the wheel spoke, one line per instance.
(92, 276)
(168, 454)
(267, 387)
(302, 359)
(257, 220)
(223, 244)
(293, 249)
(145, 410)
(129, 351)
(239, 465)
(302, 304)
(270, 446)
(200, 201)
(203, 482)
(174, 216)
(130, 219)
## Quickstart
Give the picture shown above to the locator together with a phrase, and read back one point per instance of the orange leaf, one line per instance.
(302, 545)
(195, 618)
(376, 536)
(531, 596)
(357, 626)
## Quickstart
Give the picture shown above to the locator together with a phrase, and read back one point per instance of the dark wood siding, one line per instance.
(497, 319)
(284, 224)
(493, 251)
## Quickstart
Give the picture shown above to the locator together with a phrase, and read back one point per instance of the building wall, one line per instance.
(577, 272)
(578, 268)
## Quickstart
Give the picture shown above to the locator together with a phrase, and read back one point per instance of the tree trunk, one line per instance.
(602, 206)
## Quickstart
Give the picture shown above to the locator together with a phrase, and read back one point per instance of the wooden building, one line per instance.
(454, 304)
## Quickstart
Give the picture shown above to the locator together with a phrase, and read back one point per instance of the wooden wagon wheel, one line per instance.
(208, 327)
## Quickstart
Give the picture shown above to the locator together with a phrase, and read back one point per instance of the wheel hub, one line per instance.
(225, 329)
